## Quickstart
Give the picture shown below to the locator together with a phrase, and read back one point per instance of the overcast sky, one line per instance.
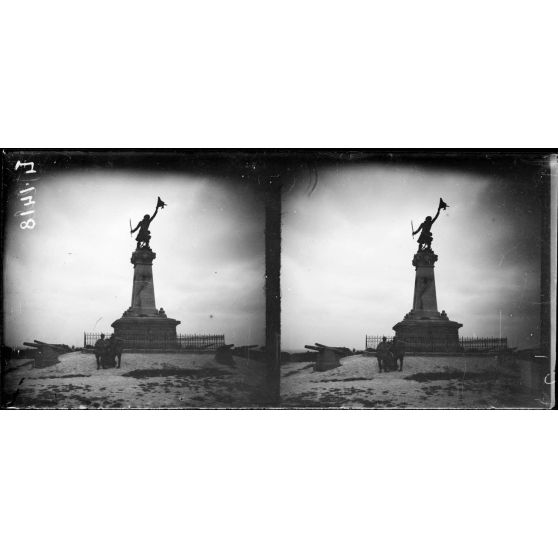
(72, 273)
(347, 252)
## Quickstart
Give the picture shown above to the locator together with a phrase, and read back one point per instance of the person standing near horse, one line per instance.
(115, 350)
(100, 349)
(398, 350)
(389, 358)
(381, 352)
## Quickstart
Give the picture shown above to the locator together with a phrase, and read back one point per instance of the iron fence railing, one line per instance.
(481, 344)
(180, 342)
(430, 345)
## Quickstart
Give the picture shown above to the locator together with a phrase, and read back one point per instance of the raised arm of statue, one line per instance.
(442, 205)
(160, 204)
(153, 216)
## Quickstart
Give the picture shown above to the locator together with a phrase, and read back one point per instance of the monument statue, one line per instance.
(424, 328)
(144, 236)
(425, 238)
(142, 325)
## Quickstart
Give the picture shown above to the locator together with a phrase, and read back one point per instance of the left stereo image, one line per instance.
(134, 280)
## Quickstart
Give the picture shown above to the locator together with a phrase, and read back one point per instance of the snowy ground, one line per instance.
(156, 380)
(425, 382)
(168, 380)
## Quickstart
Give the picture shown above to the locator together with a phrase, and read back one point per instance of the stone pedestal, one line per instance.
(424, 328)
(143, 292)
(142, 326)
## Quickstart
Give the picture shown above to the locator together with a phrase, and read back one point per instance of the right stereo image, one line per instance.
(417, 281)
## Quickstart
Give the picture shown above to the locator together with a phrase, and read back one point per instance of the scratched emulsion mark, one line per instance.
(26, 181)
(506, 254)
(313, 180)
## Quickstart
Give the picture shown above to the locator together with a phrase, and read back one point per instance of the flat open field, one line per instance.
(460, 382)
(145, 380)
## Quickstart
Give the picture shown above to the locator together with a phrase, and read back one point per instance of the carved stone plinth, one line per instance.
(143, 292)
(424, 328)
(146, 333)
(429, 334)
(425, 304)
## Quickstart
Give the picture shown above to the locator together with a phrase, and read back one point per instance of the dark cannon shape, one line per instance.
(224, 354)
(328, 357)
(47, 354)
